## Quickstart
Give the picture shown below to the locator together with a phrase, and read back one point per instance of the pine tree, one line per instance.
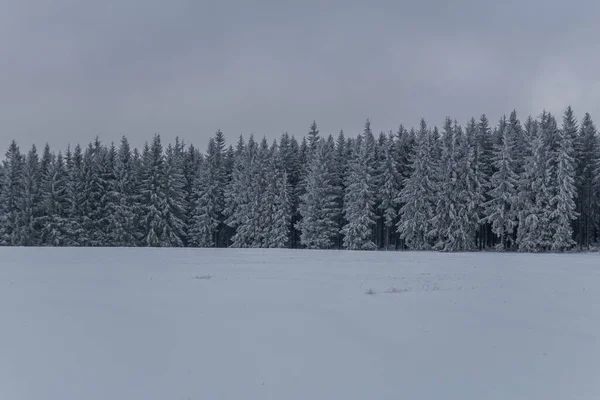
(276, 212)
(244, 197)
(209, 200)
(174, 206)
(121, 229)
(191, 173)
(455, 220)
(93, 190)
(30, 208)
(389, 187)
(55, 227)
(418, 194)
(78, 236)
(500, 210)
(563, 202)
(318, 205)
(532, 196)
(109, 198)
(313, 138)
(588, 199)
(444, 182)
(359, 201)
(153, 197)
(11, 197)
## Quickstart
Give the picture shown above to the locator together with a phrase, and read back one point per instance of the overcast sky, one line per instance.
(73, 69)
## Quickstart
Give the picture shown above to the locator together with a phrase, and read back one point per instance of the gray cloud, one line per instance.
(75, 69)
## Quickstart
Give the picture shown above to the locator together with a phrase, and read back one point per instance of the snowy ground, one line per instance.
(87, 324)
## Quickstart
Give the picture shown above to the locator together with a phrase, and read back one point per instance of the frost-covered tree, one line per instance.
(174, 206)
(31, 199)
(389, 186)
(11, 197)
(477, 177)
(313, 138)
(587, 150)
(55, 201)
(76, 195)
(444, 181)
(500, 209)
(533, 198)
(359, 201)
(151, 190)
(276, 205)
(121, 227)
(418, 194)
(455, 220)
(318, 205)
(244, 194)
(192, 162)
(93, 191)
(563, 203)
(209, 198)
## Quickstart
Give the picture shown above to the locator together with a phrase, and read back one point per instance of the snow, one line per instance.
(283, 324)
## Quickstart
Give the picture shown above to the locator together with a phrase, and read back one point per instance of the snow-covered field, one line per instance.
(87, 324)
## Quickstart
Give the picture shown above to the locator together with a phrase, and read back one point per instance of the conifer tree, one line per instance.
(31, 206)
(276, 204)
(359, 201)
(11, 197)
(209, 199)
(418, 194)
(500, 210)
(76, 194)
(174, 206)
(588, 199)
(121, 229)
(389, 187)
(153, 197)
(563, 202)
(318, 205)
(55, 221)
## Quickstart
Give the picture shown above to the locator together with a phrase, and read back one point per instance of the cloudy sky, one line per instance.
(73, 69)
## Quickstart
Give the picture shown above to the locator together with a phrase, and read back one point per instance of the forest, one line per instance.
(531, 186)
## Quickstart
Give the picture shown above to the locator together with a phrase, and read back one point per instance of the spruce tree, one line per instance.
(121, 229)
(276, 206)
(318, 205)
(563, 202)
(174, 206)
(11, 197)
(75, 194)
(153, 197)
(418, 194)
(209, 200)
(55, 226)
(359, 201)
(500, 211)
(31, 206)
(588, 199)
(389, 187)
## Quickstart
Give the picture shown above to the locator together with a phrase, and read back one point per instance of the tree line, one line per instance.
(532, 187)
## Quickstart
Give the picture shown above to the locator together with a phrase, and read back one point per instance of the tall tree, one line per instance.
(587, 150)
(359, 201)
(30, 208)
(122, 222)
(418, 194)
(318, 205)
(174, 206)
(563, 202)
(55, 227)
(11, 197)
(500, 211)
(389, 187)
